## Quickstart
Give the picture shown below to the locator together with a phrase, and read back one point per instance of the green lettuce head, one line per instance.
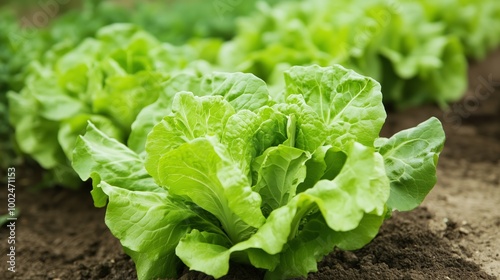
(229, 174)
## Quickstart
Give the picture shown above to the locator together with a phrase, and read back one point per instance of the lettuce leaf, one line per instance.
(410, 157)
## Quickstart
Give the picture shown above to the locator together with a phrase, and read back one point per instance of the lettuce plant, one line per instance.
(231, 174)
(416, 49)
(475, 23)
(108, 79)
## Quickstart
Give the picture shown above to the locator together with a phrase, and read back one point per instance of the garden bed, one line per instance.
(454, 235)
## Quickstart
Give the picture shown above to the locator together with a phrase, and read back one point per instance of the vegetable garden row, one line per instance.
(248, 134)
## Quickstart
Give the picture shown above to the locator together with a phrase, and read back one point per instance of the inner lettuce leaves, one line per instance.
(225, 175)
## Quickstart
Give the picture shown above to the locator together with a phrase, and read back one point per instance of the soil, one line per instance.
(453, 235)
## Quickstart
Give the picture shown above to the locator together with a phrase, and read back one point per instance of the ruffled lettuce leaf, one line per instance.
(410, 158)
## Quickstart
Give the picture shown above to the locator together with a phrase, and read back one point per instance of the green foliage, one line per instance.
(31, 61)
(201, 168)
(108, 79)
(416, 49)
(226, 175)
(475, 23)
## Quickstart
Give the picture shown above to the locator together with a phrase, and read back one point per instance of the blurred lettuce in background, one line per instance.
(417, 49)
(108, 79)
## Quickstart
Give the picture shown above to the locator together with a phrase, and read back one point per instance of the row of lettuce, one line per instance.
(38, 33)
(416, 49)
(199, 163)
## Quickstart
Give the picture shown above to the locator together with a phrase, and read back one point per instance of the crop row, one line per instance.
(251, 145)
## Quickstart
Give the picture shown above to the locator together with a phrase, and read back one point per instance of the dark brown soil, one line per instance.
(454, 235)
(404, 249)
